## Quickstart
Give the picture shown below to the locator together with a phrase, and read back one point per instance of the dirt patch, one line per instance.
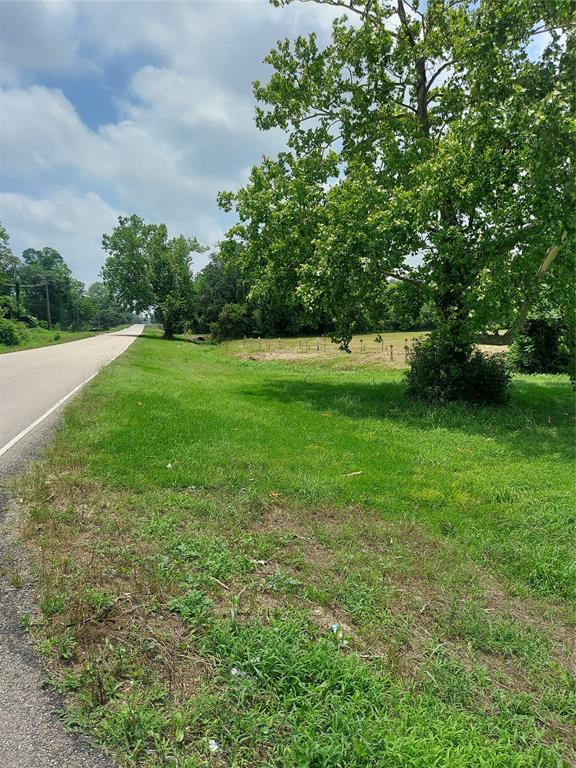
(343, 359)
(492, 349)
(284, 355)
(395, 360)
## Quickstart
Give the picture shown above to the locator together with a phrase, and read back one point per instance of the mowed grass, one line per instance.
(271, 563)
(42, 337)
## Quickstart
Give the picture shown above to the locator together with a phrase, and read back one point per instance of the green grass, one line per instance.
(272, 563)
(42, 337)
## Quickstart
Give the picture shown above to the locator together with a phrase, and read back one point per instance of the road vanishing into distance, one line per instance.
(34, 385)
(35, 381)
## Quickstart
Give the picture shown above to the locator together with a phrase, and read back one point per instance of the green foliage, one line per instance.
(540, 348)
(232, 323)
(47, 266)
(405, 307)
(439, 374)
(11, 333)
(99, 600)
(104, 312)
(421, 144)
(39, 290)
(215, 286)
(145, 271)
(193, 607)
(8, 262)
(226, 305)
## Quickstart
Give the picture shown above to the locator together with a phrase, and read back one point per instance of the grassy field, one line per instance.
(266, 562)
(42, 337)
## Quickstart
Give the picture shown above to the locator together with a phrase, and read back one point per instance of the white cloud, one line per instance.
(49, 43)
(184, 128)
(71, 223)
(141, 170)
(173, 97)
(41, 130)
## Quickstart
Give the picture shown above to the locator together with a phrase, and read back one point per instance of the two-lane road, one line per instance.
(35, 381)
(34, 384)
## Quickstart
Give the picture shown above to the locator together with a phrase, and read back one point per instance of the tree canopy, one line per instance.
(428, 143)
(146, 271)
(40, 288)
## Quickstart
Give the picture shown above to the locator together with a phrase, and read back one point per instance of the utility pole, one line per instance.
(17, 291)
(48, 313)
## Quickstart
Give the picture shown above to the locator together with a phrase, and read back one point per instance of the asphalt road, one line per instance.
(32, 384)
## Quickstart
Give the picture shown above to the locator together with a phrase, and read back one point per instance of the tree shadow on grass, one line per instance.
(539, 420)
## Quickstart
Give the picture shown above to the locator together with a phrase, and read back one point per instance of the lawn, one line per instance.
(274, 562)
(42, 337)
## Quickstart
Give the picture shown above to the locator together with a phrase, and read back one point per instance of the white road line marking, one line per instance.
(40, 419)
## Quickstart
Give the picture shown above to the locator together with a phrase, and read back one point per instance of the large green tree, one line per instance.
(431, 143)
(145, 270)
(48, 289)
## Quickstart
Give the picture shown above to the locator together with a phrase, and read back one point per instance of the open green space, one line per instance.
(249, 562)
(42, 337)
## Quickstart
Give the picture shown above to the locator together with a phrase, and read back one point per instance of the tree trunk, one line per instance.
(168, 329)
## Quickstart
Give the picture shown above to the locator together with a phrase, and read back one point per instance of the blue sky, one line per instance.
(131, 106)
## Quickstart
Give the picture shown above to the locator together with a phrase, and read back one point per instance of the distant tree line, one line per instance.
(146, 271)
(226, 305)
(38, 289)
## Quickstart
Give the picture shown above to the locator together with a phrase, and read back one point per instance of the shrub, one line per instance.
(540, 348)
(436, 375)
(8, 307)
(11, 333)
(232, 322)
(29, 320)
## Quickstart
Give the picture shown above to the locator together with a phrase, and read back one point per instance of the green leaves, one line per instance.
(145, 270)
(429, 141)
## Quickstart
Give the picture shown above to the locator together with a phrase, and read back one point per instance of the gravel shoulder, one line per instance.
(32, 733)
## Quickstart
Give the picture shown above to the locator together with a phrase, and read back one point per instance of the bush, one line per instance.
(11, 333)
(436, 375)
(540, 349)
(8, 307)
(232, 322)
(29, 320)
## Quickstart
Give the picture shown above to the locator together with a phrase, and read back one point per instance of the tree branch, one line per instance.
(405, 24)
(438, 71)
(518, 323)
(405, 279)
